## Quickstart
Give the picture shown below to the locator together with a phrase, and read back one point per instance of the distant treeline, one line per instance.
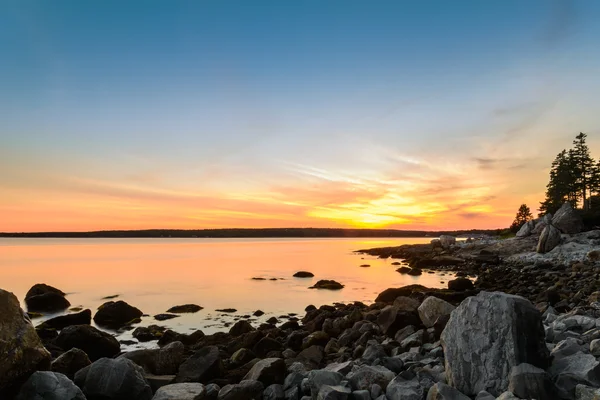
(251, 233)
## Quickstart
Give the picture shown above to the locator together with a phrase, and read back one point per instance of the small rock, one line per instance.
(185, 308)
(181, 391)
(245, 390)
(70, 362)
(460, 284)
(204, 365)
(82, 318)
(268, 371)
(164, 317)
(115, 314)
(327, 284)
(303, 274)
(441, 391)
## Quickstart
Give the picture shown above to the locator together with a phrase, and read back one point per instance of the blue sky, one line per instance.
(223, 98)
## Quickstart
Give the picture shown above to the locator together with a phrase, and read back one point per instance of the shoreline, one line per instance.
(410, 340)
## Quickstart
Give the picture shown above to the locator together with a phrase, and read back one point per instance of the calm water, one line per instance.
(155, 274)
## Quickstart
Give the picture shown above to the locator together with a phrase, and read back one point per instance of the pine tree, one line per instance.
(562, 184)
(582, 168)
(523, 215)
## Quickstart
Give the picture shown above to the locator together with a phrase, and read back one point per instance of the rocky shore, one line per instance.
(519, 322)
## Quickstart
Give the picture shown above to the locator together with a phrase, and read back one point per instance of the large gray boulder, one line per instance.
(578, 368)
(113, 379)
(529, 382)
(567, 220)
(441, 391)
(549, 239)
(433, 308)
(203, 365)
(45, 385)
(163, 361)
(526, 229)
(21, 350)
(486, 336)
(181, 391)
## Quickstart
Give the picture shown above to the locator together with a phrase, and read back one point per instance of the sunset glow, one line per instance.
(206, 116)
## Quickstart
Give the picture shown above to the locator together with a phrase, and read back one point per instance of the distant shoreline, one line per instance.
(251, 233)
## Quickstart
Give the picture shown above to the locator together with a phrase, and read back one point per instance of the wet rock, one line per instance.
(549, 239)
(245, 390)
(110, 379)
(258, 313)
(181, 391)
(567, 220)
(529, 382)
(42, 288)
(227, 310)
(45, 385)
(47, 302)
(21, 350)
(268, 371)
(115, 314)
(433, 308)
(415, 272)
(163, 361)
(70, 362)
(441, 391)
(460, 284)
(486, 336)
(165, 317)
(303, 274)
(240, 327)
(148, 333)
(185, 309)
(95, 343)
(202, 366)
(391, 294)
(170, 336)
(327, 284)
(390, 320)
(82, 318)
(404, 270)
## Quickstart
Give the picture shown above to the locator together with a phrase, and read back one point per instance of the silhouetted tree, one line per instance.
(523, 215)
(562, 185)
(582, 168)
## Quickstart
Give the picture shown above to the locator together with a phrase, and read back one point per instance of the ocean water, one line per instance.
(156, 274)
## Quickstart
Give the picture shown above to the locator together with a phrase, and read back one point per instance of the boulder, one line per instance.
(441, 391)
(407, 304)
(268, 371)
(148, 333)
(433, 308)
(404, 389)
(274, 392)
(391, 319)
(113, 379)
(460, 284)
(327, 284)
(303, 274)
(202, 366)
(529, 382)
(365, 376)
(390, 294)
(583, 392)
(181, 391)
(578, 368)
(70, 362)
(163, 361)
(526, 229)
(42, 288)
(95, 343)
(115, 314)
(541, 223)
(21, 349)
(549, 239)
(567, 220)
(45, 385)
(245, 390)
(486, 336)
(81, 318)
(47, 302)
(185, 308)
(328, 392)
(447, 241)
(240, 327)
(319, 377)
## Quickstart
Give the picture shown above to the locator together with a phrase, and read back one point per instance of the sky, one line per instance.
(213, 114)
